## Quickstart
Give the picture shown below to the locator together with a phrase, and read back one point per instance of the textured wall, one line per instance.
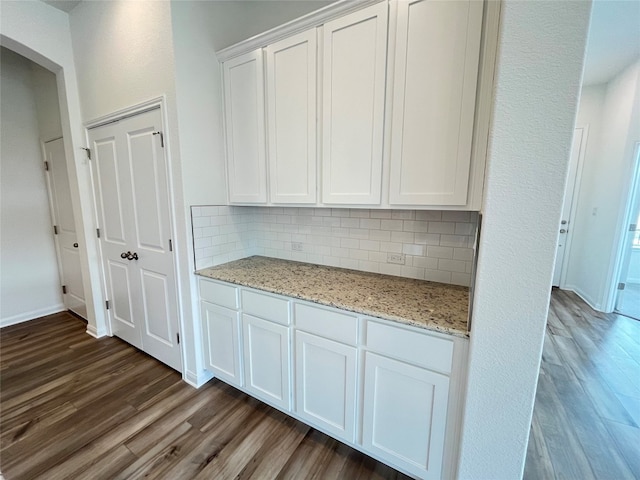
(30, 286)
(540, 56)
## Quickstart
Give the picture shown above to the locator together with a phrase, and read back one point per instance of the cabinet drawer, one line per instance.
(419, 349)
(224, 295)
(327, 323)
(265, 306)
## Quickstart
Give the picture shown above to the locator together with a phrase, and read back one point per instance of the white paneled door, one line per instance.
(66, 240)
(132, 200)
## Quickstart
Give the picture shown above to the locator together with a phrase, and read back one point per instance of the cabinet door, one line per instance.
(404, 418)
(326, 384)
(244, 128)
(266, 361)
(436, 68)
(354, 62)
(291, 126)
(222, 342)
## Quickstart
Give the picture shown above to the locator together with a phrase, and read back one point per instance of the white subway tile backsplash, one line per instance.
(403, 214)
(439, 252)
(370, 245)
(465, 254)
(391, 247)
(442, 227)
(437, 276)
(451, 265)
(465, 229)
(402, 237)
(409, 249)
(380, 214)
(456, 216)
(350, 222)
(391, 225)
(453, 241)
(370, 223)
(436, 244)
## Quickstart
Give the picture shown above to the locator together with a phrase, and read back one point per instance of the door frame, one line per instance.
(157, 102)
(54, 219)
(577, 183)
(620, 242)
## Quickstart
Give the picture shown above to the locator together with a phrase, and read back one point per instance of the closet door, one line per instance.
(354, 62)
(244, 128)
(132, 197)
(291, 125)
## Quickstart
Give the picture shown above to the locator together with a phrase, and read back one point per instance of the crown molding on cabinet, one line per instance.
(311, 20)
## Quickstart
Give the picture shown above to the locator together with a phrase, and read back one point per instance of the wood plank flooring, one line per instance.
(586, 417)
(73, 407)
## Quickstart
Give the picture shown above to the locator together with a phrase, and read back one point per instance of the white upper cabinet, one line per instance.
(244, 128)
(436, 67)
(291, 126)
(354, 62)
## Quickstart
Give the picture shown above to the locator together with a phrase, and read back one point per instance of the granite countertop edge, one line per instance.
(432, 325)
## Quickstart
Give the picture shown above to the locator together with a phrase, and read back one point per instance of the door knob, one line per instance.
(563, 222)
(562, 230)
(75, 245)
(129, 256)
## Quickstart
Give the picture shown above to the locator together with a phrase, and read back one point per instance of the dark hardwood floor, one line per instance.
(79, 408)
(73, 407)
(587, 412)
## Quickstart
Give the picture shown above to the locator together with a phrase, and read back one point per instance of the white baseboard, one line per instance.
(25, 317)
(587, 298)
(94, 332)
(197, 380)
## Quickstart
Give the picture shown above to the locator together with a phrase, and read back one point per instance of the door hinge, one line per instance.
(161, 138)
(98, 232)
(88, 150)
(55, 229)
(178, 337)
(46, 166)
(633, 227)
(64, 289)
(170, 245)
(621, 286)
(107, 304)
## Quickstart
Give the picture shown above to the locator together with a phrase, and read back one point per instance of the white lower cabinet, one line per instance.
(222, 342)
(266, 360)
(389, 390)
(404, 415)
(326, 384)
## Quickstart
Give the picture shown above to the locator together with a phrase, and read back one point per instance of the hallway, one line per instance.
(587, 412)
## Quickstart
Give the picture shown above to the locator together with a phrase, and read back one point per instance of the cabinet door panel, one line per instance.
(404, 418)
(266, 360)
(326, 384)
(244, 128)
(222, 342)
(354, 62)
(291, 107)
(436, 67)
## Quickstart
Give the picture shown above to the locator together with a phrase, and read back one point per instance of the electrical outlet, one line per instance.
(397, 258)
(296, 246)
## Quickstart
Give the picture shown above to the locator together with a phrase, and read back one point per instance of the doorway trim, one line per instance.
(617, 260)
(151, 104)
(577, 183)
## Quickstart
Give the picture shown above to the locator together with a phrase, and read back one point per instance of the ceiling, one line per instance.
(64, 5)
(614, 35)
(614, 39)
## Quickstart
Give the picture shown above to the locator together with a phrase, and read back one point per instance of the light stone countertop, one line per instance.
(433, 306)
